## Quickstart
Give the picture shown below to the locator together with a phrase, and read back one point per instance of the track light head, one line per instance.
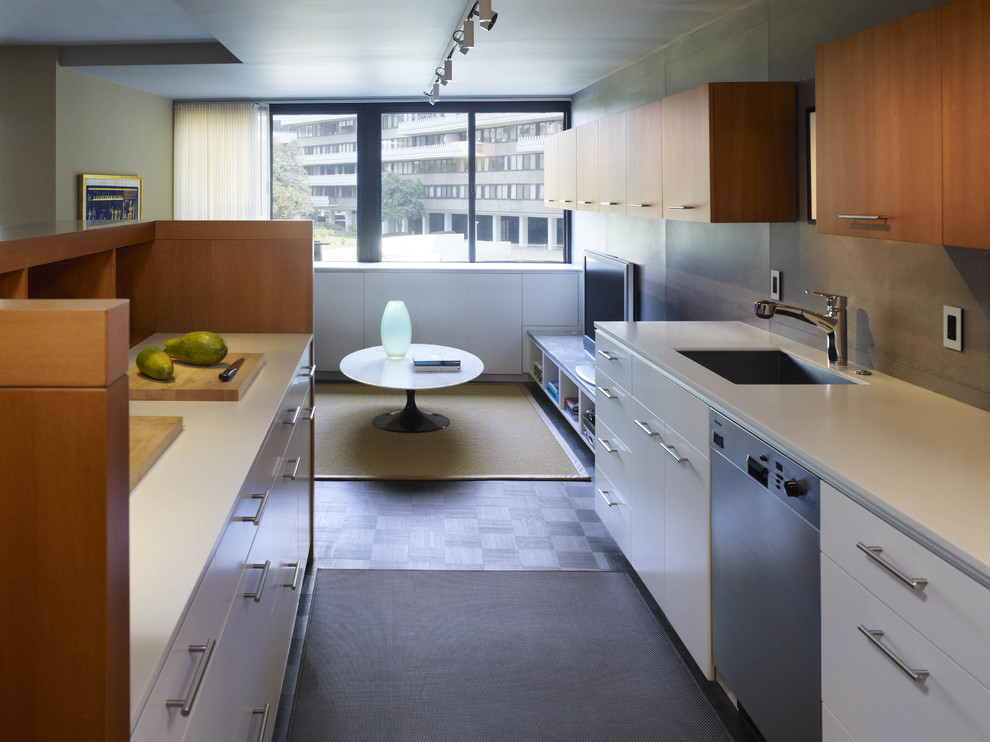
(486, 16)
(467, 35)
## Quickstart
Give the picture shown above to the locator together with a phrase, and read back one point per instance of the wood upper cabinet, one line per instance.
(879, 131)
(567, 169)
(587, 166)
(729, 153)
(965, 112)
(644, 177)
(612, 146)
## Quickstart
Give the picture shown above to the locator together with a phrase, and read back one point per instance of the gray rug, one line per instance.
(429, 656)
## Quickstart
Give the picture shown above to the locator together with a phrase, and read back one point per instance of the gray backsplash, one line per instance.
(692, 271)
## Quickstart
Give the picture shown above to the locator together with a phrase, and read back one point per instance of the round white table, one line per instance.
(371, 366)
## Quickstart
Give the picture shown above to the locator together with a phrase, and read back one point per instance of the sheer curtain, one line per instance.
(221, 161)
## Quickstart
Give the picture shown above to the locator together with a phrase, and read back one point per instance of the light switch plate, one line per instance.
(775, 285)
(952, 327)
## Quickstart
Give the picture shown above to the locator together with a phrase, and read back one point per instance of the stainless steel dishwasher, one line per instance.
(766, 575)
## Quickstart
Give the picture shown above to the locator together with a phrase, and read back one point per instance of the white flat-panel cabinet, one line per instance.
(495, 317)
(338, 304)
(442, 300)
(648, 474)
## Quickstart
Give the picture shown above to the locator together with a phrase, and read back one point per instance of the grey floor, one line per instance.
(466, 525)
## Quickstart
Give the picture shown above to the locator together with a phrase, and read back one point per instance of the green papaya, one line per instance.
(198, 348)
(155, 363)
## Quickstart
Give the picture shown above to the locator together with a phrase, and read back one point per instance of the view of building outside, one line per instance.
(425, 180)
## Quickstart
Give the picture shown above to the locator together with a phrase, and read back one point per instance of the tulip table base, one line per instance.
(410, 419)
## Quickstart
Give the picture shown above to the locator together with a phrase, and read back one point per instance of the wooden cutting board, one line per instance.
(200, 383)
(149, 437)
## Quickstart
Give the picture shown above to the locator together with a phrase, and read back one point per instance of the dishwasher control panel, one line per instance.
(792, 484)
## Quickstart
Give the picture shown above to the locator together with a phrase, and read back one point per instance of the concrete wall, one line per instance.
(56, 124)
(691, 271)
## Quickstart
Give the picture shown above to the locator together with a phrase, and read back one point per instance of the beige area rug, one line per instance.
(497, 431)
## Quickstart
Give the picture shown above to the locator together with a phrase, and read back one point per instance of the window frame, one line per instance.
(369, 158)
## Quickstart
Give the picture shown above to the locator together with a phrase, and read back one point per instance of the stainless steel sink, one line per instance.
(762, 366)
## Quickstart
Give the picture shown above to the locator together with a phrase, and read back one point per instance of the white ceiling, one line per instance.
(341, 49)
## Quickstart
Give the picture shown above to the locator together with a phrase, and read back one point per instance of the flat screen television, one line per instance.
(609, 296)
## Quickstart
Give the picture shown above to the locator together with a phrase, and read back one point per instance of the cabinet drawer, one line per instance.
(613, 359)
(951, 610)
(673, 404)
(870, 695)
(612, 405)
(613, 510)
(612, 458)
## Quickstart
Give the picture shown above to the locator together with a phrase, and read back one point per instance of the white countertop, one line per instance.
(916, 458)
(181, 506)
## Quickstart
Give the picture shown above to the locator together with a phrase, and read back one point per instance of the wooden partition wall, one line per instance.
(72, 301)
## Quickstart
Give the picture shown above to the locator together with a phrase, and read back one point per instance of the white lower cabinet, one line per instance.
(832, 730)
(663, 478)
(222, 677)
(904, 635)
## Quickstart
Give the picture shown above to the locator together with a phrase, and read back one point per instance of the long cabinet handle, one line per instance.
(295, 576)
(672, 453)
(309, 371)
(295, 467)
(863, 217)
(295, 416)
(256, 518)
(264, 720)
(586, 203)
(604, 494)
(256, 595)
(646, 428)
(607, 446)
(608, 203)
(186, 704)
(608, 355)
(640, 206)
(874, 552)
(680, 208)
(312, 414)
(875, 635)
(606, 392)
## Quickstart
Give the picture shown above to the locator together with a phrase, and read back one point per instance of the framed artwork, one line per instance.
(812, 169)
(110, 198)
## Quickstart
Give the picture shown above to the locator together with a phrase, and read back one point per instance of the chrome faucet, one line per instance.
(833, 321)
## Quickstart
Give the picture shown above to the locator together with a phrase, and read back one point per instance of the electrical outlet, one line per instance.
(775, 285)
(952, 328)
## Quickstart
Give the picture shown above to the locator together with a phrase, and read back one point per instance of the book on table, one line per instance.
(436, 363)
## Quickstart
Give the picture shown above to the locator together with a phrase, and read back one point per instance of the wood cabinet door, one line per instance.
(567, 169)
(879, 132)
(587, 166)
(612, 164)
(644, 177)
(686, 152)
(965, 112)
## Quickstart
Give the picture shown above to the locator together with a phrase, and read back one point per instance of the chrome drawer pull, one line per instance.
(672, 453)
(312, 414)
(295, 416)
(608, 448)
(680, 207)
(645, 428)
(863, 217)
(261, 585)
(873, 552)
(186, 704)
(256, 518)
(264, 719)
(604, 494)
(609, 203)
(607, 355)
(875, 635)
(295, 576)
(295, 467)
(608, 394)
(309, 371)
(586, 203)
(639, 206)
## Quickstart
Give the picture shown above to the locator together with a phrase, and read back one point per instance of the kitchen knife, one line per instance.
(228, 373)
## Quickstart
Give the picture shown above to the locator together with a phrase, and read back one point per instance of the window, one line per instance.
(314, 176)
(451, 182)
